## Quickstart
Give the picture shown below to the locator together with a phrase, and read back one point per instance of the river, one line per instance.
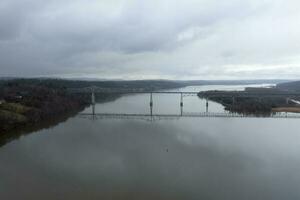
(184, 158)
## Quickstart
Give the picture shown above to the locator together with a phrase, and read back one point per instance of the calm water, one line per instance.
(194, 158)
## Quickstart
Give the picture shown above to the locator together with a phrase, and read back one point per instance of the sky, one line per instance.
(150, 39)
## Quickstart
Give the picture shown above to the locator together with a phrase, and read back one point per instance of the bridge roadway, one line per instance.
(185, 115)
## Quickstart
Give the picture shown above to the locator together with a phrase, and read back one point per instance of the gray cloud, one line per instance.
(150, 39)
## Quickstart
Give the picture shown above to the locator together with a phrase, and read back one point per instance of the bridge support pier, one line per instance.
(93, 102)
(151, 104)
(207, 105)
(181, 104)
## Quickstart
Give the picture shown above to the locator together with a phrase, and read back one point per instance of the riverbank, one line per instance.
(258, 101)
(29, 105)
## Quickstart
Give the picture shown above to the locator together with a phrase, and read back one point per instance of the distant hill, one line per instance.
(289, 86)
(146, 85)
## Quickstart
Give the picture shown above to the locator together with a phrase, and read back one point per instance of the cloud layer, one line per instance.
(136, 39)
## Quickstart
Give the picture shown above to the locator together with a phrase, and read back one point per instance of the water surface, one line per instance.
(185, 158)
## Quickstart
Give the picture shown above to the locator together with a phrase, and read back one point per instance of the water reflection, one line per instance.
(22, 131)
(188, 158)
(135, 160)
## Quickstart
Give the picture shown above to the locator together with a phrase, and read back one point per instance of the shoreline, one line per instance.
(253, 100)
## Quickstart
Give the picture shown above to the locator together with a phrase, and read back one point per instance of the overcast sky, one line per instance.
(150, 39)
